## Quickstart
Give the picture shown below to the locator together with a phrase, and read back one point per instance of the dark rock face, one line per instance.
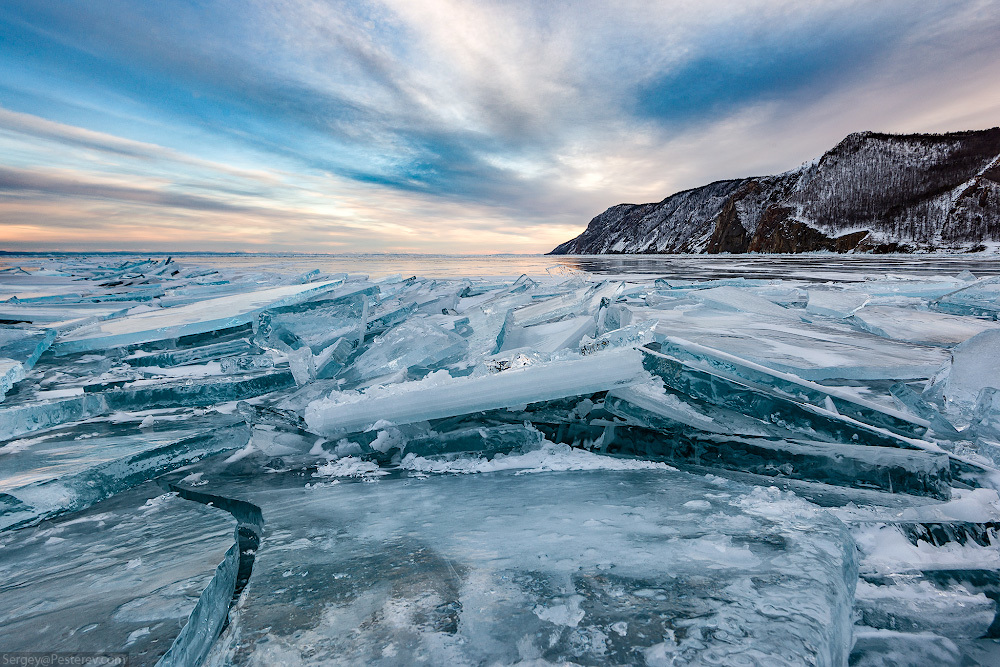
(872, 193)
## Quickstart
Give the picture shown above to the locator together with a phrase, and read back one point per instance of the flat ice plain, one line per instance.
(251, 460)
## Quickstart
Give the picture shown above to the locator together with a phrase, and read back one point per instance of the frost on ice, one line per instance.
(261, 468)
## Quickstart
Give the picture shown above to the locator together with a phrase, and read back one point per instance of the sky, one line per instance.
(443, 126)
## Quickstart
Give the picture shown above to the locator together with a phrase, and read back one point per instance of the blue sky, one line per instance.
(443, 125)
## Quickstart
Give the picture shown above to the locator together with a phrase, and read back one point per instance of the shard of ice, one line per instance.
(918, 473)
(19, 350)
(179, 357)
(734, 298)
(941, 427)
(439, 395)
(547, 337)
(420, 341)
(23, 418)
(769, 406)
(836, 303)
(71, 468)
(583, 299)
(788, 385)
(810, 351)
(979, 298)
(974, 366)
(922, 327)
(200, 317)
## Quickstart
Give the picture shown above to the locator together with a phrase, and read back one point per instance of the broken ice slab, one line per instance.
(585, 567)
(324, 323)
(33, 287)
(201, 317)
(673, 284)
(20, 418)
(384, 316)
(488, 321)
(121, 577)
(661, 408)
(193, 355)
(784, 295)
(636, 335)
(477, 288)
(439, 395)
(388, 445)
(484, 441)
(888, 548)
(810, 351)
(791, 386)
(917, 473)
(19, 350)
(941, 427)
(835, 302)
(761, 404)
(920, 326)
(986, 414)
(975, 365)
(981, 298)
(734, 298)
(875, 647)
(246, 363)
(581, 301)
(418, 342)
(614, 316)
(547, 337)
(924, 289)
(52, 315)
(74, 467)
(11, 372)
(911, 603)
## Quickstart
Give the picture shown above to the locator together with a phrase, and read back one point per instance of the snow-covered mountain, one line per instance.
(871, 193)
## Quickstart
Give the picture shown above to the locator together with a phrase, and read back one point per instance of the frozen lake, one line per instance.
(401, 460)
(812, 267)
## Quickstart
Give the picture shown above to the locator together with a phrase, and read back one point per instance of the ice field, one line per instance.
(642, 461)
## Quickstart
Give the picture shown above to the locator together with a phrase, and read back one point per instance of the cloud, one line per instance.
(453, 115)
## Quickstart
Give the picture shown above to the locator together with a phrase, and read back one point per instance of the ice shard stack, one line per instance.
(418, 342)
(790, 386)
(979, 299)
(769, 406)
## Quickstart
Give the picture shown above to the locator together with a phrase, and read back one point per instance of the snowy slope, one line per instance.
(872, 192)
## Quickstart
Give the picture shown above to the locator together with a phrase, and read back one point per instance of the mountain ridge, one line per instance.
(872, 192)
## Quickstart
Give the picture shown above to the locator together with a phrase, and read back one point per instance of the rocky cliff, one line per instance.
(872, 192)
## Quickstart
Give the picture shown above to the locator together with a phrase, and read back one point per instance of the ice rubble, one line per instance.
(593, 461)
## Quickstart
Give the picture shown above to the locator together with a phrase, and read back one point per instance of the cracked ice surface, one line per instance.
(533, 464)
(591, 566)
(122, 576)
